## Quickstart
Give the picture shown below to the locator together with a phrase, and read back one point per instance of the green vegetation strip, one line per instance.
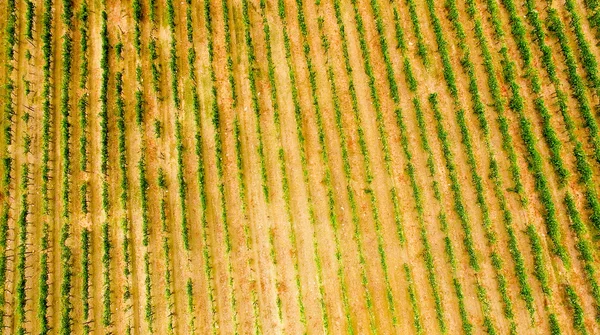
(167, 256)
(498, 105)
(252, 73)
(582, 164)
(124, 196)
(106, 245)
(206, 251)
(66, 305)
(284, 182)
(7, 160)
(215, 114)
(47, 19)
(348, 172)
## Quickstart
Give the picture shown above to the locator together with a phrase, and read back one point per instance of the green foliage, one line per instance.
(455, 184)
(577, 309)
(85, 276)
(137, 32)
(348, 175)
(29, 18)
(416, 26)
(83, 193)
(174, 68)
(516, 103)
(587, 252)
(550, 135)
(21, 253)
(182, 185)
(284, 178)
(157, 128)
(216, 123)
(148, 307)
(106, 287)
(44, 282)
(413, 301)
(83, 125)
(252, 71)
(578, 88)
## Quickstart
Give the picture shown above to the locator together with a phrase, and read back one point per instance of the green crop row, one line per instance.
(144, 199)
(479, 111)
(104, 100)
(201, 177)
(82, 105)
(106, 287)
(255, 104)
(303, 160)
(587, 252)
(154, 67)
(106, 245)
(412, 294)
(411, 81)
(142, 168)
(582, 165)
(174, 68)
(377, 104)
(248, 239)
(540, 272)
(410, 169)
(182, 185)
(66, 305)
(21, 281)
(169, 293)
(124, 196)
(83, 125)
(458, 200)
(229, 65)
(47, 44)
(578, 87)
(327, 177)
(467, 326)
(86, 263)
(443, 51)
(11, 32)
(120, 113)
(215, 118)
(428, 256)
(191, 70)
(578, 312)
(284, 178)
(348, 174)
(554, 144)
(29, 17)
(148, 306)
(516, 103)
(416, 26)
(593, 9)
(84, 44)
(443, 137)
(539, 268)
(587, 59)
(44, 282)
(8, 115)
(137, 32)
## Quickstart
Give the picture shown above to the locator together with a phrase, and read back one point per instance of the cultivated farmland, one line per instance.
(300, 167)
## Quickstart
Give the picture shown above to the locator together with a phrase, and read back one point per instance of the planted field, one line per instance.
(299, 167)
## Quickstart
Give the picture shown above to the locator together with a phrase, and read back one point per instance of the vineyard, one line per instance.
(300, 167)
